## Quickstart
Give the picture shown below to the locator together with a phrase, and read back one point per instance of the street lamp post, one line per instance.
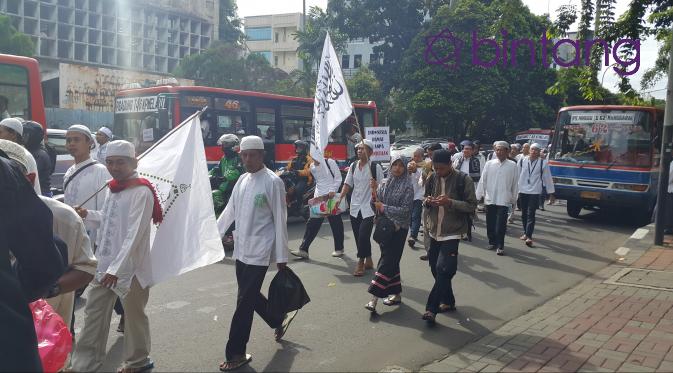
(665, 157)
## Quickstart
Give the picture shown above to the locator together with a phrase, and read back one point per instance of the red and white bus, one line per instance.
(21, 89)
(144, 115)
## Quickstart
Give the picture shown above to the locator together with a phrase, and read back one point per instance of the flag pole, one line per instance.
(170, 133)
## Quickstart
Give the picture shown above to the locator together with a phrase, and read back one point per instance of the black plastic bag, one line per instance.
(286, 293)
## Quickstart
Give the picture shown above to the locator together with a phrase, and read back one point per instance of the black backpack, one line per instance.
(372, 169)
(52, 156)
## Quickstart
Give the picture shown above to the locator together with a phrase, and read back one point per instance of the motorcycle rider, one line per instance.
(224, 176)
(300, 165)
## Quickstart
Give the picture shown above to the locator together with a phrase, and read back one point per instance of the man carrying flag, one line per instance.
(123, 250)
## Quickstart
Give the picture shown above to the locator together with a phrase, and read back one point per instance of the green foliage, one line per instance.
(12, 41)
(312, 38)
(230, 24)
(225, 66)
(476, 102)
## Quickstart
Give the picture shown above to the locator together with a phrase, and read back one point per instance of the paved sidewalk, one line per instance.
(620, 319)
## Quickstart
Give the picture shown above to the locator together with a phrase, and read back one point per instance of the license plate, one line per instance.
(590, 195)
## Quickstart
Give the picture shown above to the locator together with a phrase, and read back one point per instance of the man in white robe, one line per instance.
(257, 204)
(103, 137)
(123, 250)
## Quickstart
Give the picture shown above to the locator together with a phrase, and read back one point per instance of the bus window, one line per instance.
(215, 124)
(266, 124)
(14, 100)
(297, 123)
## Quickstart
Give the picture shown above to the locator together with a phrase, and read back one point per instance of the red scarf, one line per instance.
(118, 186)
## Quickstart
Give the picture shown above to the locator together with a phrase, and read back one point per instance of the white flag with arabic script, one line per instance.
(188, 237)
(332, 103)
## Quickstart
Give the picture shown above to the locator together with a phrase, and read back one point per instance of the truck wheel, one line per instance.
(574, 208)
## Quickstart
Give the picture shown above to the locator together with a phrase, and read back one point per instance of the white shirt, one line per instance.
(69, 227)
(258, 206)
(417, 181)
(124, 235)
(465, 166)
(101, 152)
(83, 186)
(325, 183)
(359, 181)
(531, 177)
(499, 183)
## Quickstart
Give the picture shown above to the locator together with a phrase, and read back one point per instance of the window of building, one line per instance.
(275, 60)
(373, 58)
(258, 33)
(357, 61)
(266, 55)
(345, 61)
(277, 37)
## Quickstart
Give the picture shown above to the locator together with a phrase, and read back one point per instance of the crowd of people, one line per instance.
(100, 236)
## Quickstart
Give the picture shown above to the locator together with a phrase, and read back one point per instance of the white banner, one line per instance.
(380, 136)
(332, 103)
(188, 237)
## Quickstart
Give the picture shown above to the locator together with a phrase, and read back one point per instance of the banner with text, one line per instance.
(380, 136)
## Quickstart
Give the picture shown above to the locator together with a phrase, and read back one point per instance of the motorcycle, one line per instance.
(290, 179)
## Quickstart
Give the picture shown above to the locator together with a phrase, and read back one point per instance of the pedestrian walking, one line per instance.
(427, 171)
(33, 140)
(415, 170)
(328, 180)
(450, 201)
(362, 179)
(499, 188)
(26, 232)
(468, 161)
(534, 175)
(394, 201)
(103, 138)
(257, 204)
(130, 207)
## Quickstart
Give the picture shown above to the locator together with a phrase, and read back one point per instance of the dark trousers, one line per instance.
(443, 259)
(362, 229)
(387, 280)
(249, 301)
(313, 227)
(529, 204)
(299, 190)
(496, 225)
(416, 212)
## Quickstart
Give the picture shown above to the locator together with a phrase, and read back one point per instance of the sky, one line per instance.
(648, 49)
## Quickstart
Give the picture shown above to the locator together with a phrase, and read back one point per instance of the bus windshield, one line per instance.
(14, 100)
(604, 137)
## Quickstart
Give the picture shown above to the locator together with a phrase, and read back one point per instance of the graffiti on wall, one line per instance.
(93, 88)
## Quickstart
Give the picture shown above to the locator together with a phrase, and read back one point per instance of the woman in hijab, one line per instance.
(394, 199)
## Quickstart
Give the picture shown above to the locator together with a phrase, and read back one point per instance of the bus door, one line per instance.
(295, 124)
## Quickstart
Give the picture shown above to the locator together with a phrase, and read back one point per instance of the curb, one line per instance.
(636, 245)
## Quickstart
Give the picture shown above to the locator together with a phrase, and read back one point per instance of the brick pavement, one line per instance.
(593, 327)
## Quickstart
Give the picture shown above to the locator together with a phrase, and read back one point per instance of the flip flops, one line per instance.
(142, 369)
(429, 317)
(230, 365)
(280, 331)
(392, 300)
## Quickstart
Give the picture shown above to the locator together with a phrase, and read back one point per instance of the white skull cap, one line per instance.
(120, 148)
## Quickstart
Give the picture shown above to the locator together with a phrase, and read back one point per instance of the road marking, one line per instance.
(206, 309)
(640, 233)
(177, 304)
(622, 251)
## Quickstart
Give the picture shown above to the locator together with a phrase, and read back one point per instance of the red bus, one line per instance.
(144, 115)
(21, 89)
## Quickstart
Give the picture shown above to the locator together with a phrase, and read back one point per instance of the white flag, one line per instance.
(332, 103)
(187, 238)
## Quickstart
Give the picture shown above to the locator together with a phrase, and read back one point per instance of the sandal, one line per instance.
(371, 306)
(529, 242)
(429, 317)
(230, 365)
(392, 300)
(145, 368)
(359, 269)
(523, 238)
(282, 329)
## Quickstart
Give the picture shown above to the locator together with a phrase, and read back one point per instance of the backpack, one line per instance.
(372, 169)
(52, 155)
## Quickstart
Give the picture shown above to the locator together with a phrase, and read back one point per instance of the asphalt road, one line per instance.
(190, 315)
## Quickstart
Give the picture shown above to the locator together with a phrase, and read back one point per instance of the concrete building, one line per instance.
(273, 37)
(359, 52)
(145, 39)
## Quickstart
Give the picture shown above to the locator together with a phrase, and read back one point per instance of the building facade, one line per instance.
(273, 37)
(359, 52)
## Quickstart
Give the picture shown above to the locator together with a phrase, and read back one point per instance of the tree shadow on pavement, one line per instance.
(467, 265)
(529, 258)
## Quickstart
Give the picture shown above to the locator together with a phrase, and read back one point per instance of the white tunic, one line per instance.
(124, 234)
(257, 205)
(101, 152)
(533, 174)
(85, 184)
(359, 181)
(325, 183)
(69, 227)
(417, 181)
(499, 183)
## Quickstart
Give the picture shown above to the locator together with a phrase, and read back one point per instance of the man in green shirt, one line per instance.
(224, 176)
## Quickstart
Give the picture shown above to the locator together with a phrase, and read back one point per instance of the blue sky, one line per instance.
(648, 53)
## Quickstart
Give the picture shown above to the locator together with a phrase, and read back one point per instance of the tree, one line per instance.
(312, 38)
(465, 99)
(229, 29)
(13, 41)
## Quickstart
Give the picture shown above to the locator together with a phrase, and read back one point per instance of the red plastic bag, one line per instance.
(54, 341)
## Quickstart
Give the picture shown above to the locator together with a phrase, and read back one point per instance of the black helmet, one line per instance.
(33, 134)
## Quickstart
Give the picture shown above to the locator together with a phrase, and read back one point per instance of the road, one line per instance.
(190, 315)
